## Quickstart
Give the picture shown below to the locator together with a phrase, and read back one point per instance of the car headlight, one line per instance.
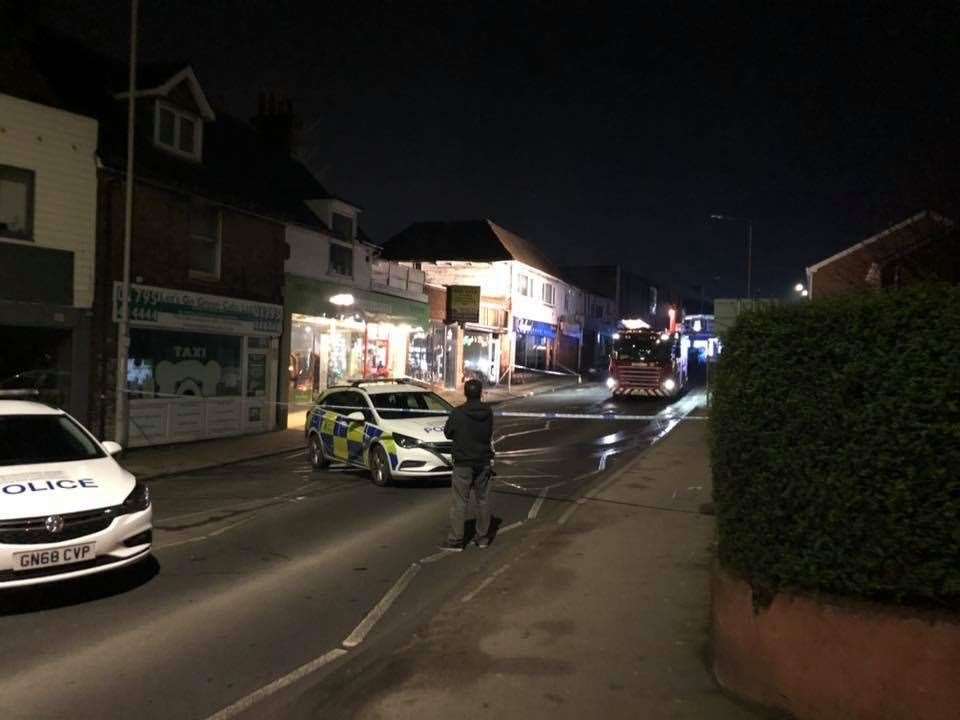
(137, 500)
(405, 441)
(611, 383)
(669, 384)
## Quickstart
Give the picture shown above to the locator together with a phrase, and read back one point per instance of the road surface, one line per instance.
(263, 567)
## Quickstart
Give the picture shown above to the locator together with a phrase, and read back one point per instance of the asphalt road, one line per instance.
(262, 567)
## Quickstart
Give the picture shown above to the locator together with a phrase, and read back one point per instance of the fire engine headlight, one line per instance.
(611, 383)
(669, 384)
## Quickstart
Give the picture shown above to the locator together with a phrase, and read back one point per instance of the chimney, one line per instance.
(278, 127)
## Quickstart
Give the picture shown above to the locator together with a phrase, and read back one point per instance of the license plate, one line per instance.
(55, 556)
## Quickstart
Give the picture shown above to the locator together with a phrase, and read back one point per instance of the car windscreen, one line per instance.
(28, 439)
(403, 405)
(643, 347)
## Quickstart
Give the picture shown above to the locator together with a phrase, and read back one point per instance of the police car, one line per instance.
(390, 427)
(67, 508)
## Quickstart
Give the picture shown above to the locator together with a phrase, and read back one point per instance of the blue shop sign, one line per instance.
(534, 327)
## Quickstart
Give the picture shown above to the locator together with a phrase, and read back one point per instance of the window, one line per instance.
(523, 285)
(205, 241)
(177, 131)
(344, 403)
(165, 362)
(547, 293)
(598, 310)
(29, 439)
(405, 405)
(341, 260)
(16, 203)
(343, 227)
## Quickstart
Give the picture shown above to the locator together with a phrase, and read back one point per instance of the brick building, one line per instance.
(922, 248)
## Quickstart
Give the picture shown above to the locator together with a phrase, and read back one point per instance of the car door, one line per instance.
(346, 436)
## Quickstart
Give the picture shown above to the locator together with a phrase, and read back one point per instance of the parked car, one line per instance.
(67, 508)
(392, 428)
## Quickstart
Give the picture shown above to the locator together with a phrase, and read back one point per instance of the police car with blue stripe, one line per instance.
(67, 508)
(391, 427)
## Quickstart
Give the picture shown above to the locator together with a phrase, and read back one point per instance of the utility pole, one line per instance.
(123, 328)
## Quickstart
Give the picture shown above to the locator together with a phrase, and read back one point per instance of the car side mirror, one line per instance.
(356, 416)
(112, 448)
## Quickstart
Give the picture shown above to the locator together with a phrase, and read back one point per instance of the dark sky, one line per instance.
(606, 133)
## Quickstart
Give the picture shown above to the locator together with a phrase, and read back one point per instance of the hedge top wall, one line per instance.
(836, 447)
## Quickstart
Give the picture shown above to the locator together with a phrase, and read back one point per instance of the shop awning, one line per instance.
(306, 296)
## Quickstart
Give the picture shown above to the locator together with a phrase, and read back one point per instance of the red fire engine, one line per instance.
(647, 362)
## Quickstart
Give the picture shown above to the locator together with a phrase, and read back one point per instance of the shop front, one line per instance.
(198, 366)
(337, 333)
(535, 345)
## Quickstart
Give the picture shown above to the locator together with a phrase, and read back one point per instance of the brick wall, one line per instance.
(251, 267)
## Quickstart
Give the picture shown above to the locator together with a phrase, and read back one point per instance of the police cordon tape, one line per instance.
(393, 411)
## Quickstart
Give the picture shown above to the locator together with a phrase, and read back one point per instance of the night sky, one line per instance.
(605, 133)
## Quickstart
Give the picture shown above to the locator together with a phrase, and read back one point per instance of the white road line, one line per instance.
(537, 504)
(366, 625)
(245, 703)
(201, 538)
(298, 453)
(569, 511)
(521, 432)
(436, 556)
(470, 596)
(511, 526)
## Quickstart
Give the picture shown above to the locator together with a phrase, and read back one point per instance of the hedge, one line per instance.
(835, 441)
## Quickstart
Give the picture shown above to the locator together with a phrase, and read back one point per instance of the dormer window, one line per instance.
(343, 226)
(178, 131)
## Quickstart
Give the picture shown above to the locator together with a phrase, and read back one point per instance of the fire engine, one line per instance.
(649, 363)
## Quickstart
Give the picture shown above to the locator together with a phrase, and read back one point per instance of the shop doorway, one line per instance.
(37, 359)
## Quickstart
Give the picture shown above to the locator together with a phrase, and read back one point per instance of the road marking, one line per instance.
(366, 625)
(208, 536)
(436, 556)
(595, 416)
(537, 504)
(470, 596)
(569, 511)
(511, 526)
(521, 432)
(245, 703)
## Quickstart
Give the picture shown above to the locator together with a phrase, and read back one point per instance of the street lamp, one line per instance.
(799, 288)
(749, 224)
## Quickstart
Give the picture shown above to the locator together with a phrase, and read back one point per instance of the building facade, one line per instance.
(530, 319)
(48, 206)
(347, 314)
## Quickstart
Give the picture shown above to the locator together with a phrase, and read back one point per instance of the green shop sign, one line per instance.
(183, 310)
(313, 297)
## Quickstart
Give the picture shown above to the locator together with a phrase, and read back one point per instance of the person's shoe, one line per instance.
(482, 542)
(451, 546)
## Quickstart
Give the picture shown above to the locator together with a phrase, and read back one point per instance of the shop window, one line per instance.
(16, 203)
(177, 131)
(164, 363)
(205, 224)
(341, 260)
(547, 293)
(343, 227)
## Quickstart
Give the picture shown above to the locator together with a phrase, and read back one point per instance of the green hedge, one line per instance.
(835, 437)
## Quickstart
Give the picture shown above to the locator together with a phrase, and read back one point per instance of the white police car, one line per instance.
(66, 507)
(390, 427)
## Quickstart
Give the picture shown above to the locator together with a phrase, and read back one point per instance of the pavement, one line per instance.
(161, 461)
(605, 615)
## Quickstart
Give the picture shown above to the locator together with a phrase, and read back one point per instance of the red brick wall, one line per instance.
(251, 267)
(437, 297)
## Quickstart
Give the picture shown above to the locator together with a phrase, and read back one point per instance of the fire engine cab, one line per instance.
(649, 363)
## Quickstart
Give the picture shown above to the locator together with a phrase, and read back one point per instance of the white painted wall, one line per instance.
(60, 147)
(310, 257)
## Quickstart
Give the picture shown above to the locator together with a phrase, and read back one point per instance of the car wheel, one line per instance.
(380, 467)
(315, 453)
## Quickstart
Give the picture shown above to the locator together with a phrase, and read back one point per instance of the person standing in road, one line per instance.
(470, 426)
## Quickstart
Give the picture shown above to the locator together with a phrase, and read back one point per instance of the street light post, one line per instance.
(749, 224)
(123, 327)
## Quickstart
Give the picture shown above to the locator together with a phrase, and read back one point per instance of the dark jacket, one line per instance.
(470, 426)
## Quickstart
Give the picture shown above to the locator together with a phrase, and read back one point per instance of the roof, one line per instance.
(237, 168)
(378, 387)
(887, 241)
(25, 407)
(465, 240)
